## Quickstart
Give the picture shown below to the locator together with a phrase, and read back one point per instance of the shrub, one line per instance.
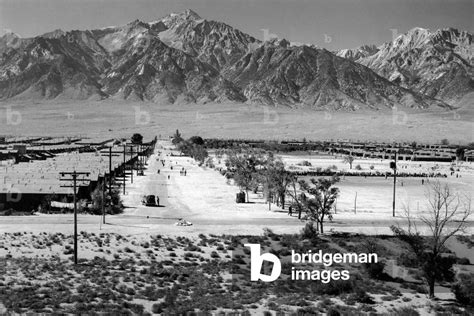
(192, 247)
(407, 260)
(307, 311)
(375, 270)
(309, 231)
(333, 312)
(446, 268)
(466, 240)
(361, 296)
(463, 289)
(157, 308)
(463, 261)
(68, 251)
(405, 311)
(335, 287)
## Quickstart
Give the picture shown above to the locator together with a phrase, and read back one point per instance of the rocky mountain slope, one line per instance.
(438, 64)
(215, 43)
(276, 73)
(129, 62)
(183, 58)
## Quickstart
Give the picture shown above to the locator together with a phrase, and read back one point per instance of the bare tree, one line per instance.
(447, 215)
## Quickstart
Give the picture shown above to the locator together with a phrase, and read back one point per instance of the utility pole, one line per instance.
(355, 204)
(110, 154)
(110, 171)
(125, 146)
(131, 163)
(139, 161)
(140, 158)
(124, 168)
(103, 200)
(394, 167)
(139, 151)
(74, 178)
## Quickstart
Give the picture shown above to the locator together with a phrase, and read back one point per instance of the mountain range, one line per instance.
(183, 58)
(437, 64)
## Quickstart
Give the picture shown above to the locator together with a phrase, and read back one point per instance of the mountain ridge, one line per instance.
(183, 58)
(435, 63)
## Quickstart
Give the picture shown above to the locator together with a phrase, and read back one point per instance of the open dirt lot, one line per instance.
(374, 194)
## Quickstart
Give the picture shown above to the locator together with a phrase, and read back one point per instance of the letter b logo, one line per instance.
(256, 262)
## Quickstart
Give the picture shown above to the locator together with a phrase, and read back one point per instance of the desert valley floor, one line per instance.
(118, 118)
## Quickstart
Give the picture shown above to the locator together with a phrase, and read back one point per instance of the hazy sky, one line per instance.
(332, 24)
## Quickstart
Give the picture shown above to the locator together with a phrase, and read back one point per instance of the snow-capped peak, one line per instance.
(186, 15)
(414, 37)
(192, 14)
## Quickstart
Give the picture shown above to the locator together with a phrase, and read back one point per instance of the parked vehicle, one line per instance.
(183, 222)
(150, 200)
